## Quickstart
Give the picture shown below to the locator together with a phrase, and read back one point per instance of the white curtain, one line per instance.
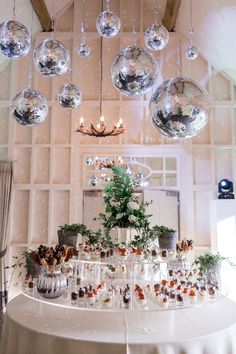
(6, 177)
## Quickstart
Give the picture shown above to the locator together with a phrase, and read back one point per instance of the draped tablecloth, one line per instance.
(34, 327)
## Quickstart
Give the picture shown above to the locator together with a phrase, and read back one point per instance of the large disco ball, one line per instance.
(29, 107)
(156, 37)
(108, 24)
(51, 58)
(180, 108)
(69, 96)
(15, 40)
(134, 71)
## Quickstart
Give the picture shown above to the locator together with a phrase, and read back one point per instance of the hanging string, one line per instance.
(53, 25)
(101, 72)
(108, 5)
(157, 20)
(30, 76)
(134, 33)
(14, 9)
(178, 61)
(190, 32)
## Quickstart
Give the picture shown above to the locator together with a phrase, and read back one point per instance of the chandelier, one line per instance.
(100, 130)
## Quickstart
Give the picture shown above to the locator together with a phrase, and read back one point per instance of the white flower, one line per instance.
(132, 218)
(108, 215)
(133, 206)
(119, 216)
(113, 202)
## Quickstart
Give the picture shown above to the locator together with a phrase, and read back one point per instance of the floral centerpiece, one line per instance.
(122, 207)
(50, 257)
(184, 246)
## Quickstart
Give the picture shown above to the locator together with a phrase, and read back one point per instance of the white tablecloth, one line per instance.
(33, 327)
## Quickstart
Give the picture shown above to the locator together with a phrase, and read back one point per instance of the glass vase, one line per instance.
(213, 276)
(51, 284)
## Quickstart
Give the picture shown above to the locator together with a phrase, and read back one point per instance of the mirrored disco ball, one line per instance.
(29, 107)
(156, 37)
(191, 52)
(108, 24)
(15, 40)
(83, 50)
(180, 108)
(51, 58)
(134, 71)
(69, 96)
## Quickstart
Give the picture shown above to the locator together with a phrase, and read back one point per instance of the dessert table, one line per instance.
(33, 326)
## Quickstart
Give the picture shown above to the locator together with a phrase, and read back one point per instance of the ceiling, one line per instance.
(214, 23)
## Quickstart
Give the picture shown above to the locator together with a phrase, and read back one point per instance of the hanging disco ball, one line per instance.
(134, 71)
(191, 52)
(108, 24)
(69, 96)
(15, 40)
(51, 58)
(29, 107)
(83, 50)
(156, 37)
(180, 108)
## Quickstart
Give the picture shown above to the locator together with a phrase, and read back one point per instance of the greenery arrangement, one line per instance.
(209, 260)
(77, 228)
(122, 208)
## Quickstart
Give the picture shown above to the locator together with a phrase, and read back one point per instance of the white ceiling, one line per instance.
(214, 24)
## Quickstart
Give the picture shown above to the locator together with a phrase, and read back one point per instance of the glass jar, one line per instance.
(51, 284)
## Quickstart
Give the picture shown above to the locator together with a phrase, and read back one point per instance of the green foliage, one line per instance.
(209, 260)
(78, 228)
(122, 208)
(160, 229)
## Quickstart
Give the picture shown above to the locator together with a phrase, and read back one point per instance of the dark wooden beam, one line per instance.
(171, 14)
(43, 15)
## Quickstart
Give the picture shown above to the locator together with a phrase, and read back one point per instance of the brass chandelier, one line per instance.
(100, 130)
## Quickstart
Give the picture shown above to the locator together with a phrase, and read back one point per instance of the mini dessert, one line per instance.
(126, 299)
(172, 284)
(171, 253)
(164, 253)
(139, 254)
(171, 273)
(179, 300)
(203, 293)
(141, 299)
(81, 295)
(192, 297)
(179, 289)
(74, 298)
(154, 253)
(172, 298)
(31, 285)
(103, 254)
(91, 298)
(164, 282)
(164, 302)
(211, 292)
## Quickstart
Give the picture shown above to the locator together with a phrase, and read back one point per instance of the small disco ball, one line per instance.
(191, 52)
(156, 37)
(108, 24)
(69, 96)
(83, 50)
(51, 58)
(29, 107)
(180, 108)
(134, 71)
(15, 40)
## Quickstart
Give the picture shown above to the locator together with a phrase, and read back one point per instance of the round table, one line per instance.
(33, 326)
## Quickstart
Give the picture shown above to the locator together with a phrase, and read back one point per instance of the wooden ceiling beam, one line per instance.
(171, 14)
(43, 15)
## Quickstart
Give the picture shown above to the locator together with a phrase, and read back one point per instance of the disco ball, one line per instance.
(134, 71)
(191, 52)
(69, 96)
(108, 24)
(29, 107)
(51, 58)
(180, 108)
(15, 40)
(83, 50)
(156, 37)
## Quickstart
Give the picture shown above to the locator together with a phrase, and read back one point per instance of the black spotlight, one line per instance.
(225, 189)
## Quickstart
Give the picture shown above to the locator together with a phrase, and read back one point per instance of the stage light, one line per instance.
(225, 189)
